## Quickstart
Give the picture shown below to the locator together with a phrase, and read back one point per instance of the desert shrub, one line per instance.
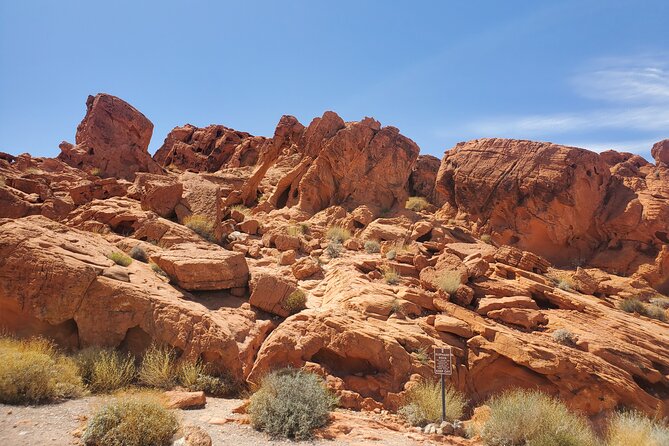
(564, 337)
(524, 417)
(655, 312)
(96, 171)
(290, 403)
(634, 428)
(396, 307)
(119, 258)
(486, 238)
(138, 253)
(565, 284)
(416, 204)
(660, 301)
(423, 404)
(158, 368)
(195, 377)
(201, 225)
(34, 371)
(132, 420)
(338, 234)
(158, 270)
(390, 255)
(391, 277)
(295, 302)
(105, 370)
(633, 305)
(448, 282)
(241, 208)
(372, 247)
(334, 249)
(423, 355)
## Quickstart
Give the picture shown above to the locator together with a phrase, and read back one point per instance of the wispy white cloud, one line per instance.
(641, 79)
(636, 92)
(649, 118)
(642, 146)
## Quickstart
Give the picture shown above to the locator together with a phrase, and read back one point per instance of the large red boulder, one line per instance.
(112, 139)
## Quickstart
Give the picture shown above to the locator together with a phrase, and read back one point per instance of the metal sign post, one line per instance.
(442, 366)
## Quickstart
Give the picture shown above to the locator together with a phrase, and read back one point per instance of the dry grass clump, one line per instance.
(565, 284)
(120, 258)
(390, 255)
(524, 417)
(633, 305)
(290, 403)
(138, 253)
(372, 247)
(334, 249)
(105, 370)
(416, 204)
(338, 234)
(241, 208)
(201, 225)
(159, 368)
(423, 404)
(448, 282)
(297, 230)
(34, 371)
(486, 238)
(564, 337)
(634, 428)
(391, 276)
(295, 302)
(660, 301)
(132, 420)
(194, 376)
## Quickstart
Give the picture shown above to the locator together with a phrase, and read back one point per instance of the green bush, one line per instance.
(423, 404)
(295, 302)
(105, 370)
(486, 238)
(201, 225)
(416, 204)
(372, 247)
(334, 249)
(34, 371)
(290, 403)
(158, 368)
(119, 258)
(634, 428)
(448, 282)
(531, 418)
(338, 234)
(134, 420)
(138, 253)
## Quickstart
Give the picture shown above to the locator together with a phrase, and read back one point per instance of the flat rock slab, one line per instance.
(195, 268)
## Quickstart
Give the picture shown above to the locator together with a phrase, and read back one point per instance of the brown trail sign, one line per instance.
(443, 367)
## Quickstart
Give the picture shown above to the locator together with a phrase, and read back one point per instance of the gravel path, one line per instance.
(61, 425)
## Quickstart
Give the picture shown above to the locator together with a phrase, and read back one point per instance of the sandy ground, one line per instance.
(61, 424)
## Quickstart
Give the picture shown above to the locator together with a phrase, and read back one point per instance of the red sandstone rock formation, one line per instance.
(112, 138)
(543, 205)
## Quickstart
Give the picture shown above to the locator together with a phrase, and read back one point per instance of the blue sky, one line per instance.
(589, 73)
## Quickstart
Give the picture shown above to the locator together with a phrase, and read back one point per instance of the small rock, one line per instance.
(439, 431)
(185, 400)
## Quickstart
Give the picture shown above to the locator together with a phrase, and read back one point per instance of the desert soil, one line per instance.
(62, 424)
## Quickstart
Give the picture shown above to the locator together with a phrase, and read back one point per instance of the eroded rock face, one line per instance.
(195, 267)
(112, 138)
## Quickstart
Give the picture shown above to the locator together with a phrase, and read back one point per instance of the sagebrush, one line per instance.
(338, 234)
(132, 420)
(201, 225)
(417, 204)
(525, 417)
(120, 258)
(105, 370)
(633, 428)
(290, 403)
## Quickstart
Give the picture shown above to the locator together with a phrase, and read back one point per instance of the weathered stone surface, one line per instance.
(178, 399)
(306, 267)
(113, 137)
(660, 152)
(448, 324)
(196, 268)
(269, 291)
(158, 193)
(498, 303)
